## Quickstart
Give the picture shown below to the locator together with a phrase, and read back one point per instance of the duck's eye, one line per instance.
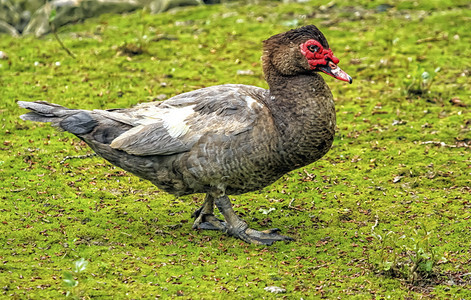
(313, 48)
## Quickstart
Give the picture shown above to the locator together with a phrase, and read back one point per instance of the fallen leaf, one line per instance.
(275, 289)
(397, 179)
(457, 102)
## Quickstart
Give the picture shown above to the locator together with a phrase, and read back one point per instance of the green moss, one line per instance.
(400, 158)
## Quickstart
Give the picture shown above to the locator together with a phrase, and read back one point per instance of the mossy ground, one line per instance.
(400, 161)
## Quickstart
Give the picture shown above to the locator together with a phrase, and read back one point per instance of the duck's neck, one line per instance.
(304, 111)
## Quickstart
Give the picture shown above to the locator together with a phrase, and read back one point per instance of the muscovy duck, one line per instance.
(221, 140)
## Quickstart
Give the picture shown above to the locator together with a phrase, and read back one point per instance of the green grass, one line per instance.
(400, 161)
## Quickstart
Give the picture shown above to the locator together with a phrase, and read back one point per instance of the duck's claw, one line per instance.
(205, 219)
(208, 222)
(239, 229)
(265, 237)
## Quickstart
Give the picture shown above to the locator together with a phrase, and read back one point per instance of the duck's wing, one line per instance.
(175, 125)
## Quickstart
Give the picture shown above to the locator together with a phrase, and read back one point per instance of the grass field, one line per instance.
(386, 214)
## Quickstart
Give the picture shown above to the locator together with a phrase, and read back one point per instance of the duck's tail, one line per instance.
(72, 120)
(98, 131)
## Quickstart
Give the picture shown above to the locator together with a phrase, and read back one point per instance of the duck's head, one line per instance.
(302, 50)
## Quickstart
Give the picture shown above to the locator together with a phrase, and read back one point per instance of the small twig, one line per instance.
(60, 41)
(291, 202)
(432, 39)
(442, 144)
(78, 156)
(376, 224)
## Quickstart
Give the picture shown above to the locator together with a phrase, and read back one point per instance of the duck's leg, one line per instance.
(204, 217)
(239, 228)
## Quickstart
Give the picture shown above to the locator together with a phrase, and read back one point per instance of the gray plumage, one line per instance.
(220, 140)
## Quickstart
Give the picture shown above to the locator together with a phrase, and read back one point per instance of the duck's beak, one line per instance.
(334, 71)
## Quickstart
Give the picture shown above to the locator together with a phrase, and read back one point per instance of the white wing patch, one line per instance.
(175, 120)
(172, 118)
(250, 101)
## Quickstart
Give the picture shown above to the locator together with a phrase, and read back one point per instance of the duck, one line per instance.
(221, 140)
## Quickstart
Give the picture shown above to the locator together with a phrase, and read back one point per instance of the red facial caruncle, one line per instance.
(323, 60)
(316, 54)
